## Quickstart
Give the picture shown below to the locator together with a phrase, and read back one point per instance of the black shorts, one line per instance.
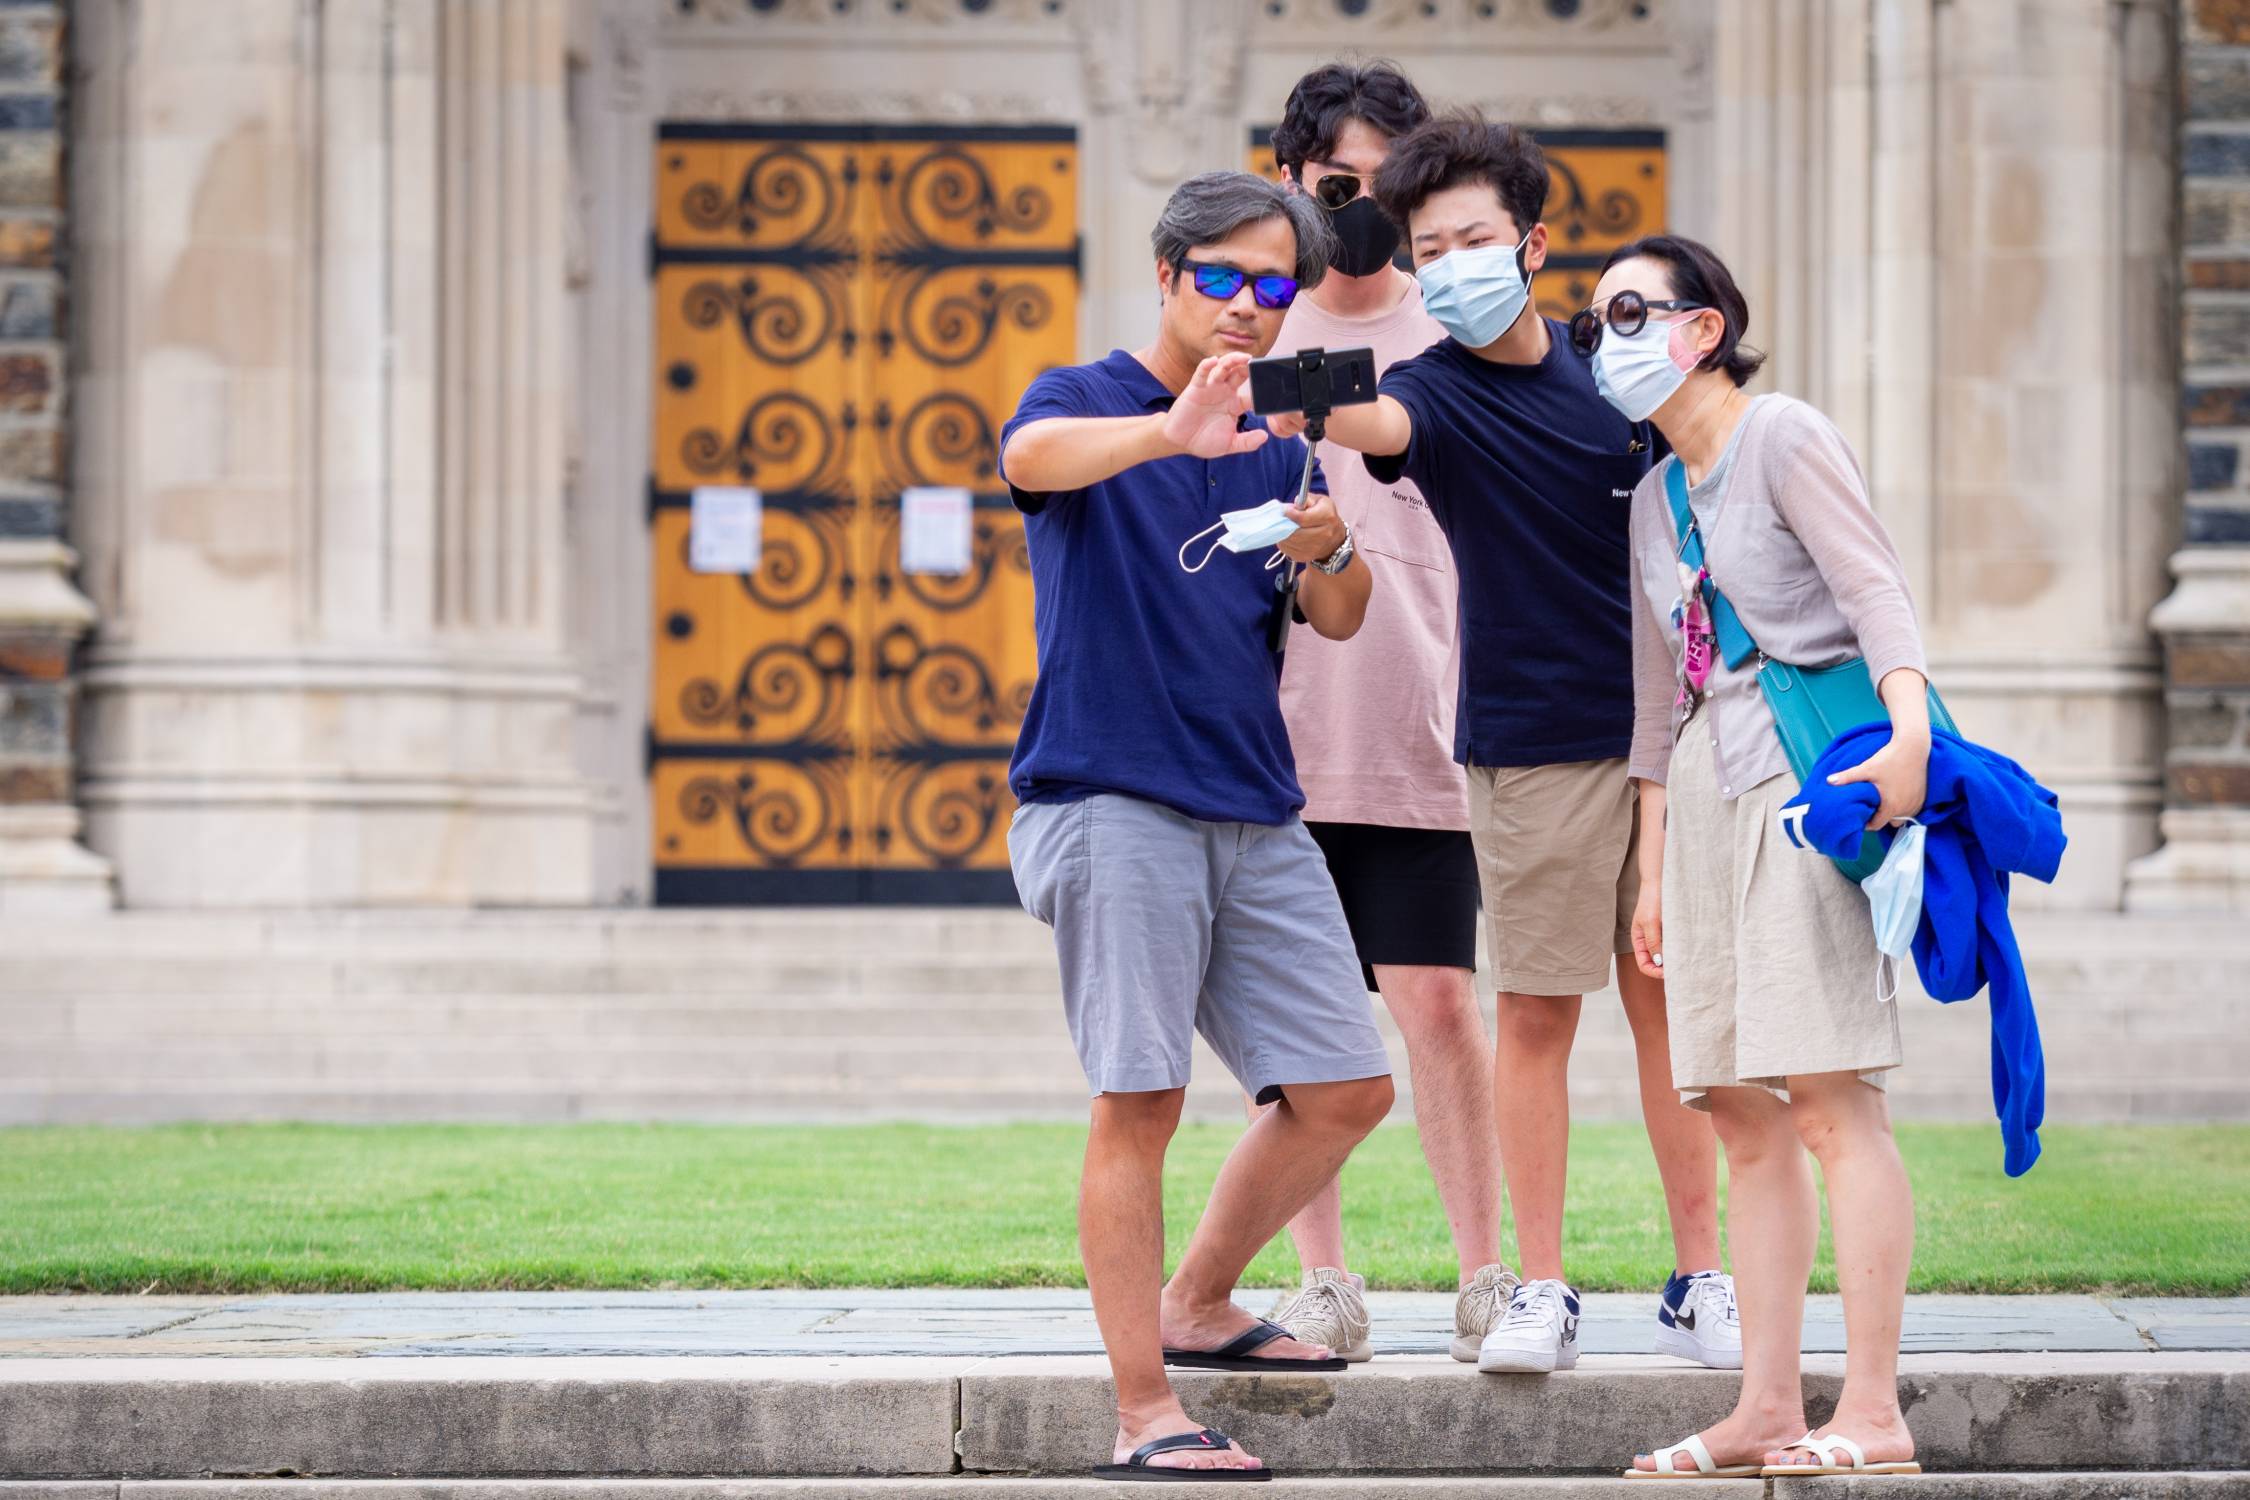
(1410, 894)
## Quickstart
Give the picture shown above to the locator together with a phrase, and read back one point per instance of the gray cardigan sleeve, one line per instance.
(1822, 497)
(1654, 680)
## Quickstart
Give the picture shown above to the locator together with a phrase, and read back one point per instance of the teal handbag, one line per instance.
(1811, 705)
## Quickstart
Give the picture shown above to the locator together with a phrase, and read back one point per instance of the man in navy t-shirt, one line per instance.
(1158, 832)
(1530, 474)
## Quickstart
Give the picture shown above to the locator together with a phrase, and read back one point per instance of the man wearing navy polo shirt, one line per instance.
(1158, 832)
(1530, 474)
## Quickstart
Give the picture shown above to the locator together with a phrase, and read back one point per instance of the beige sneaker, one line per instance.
(1479, 1307)
(1330, 1309)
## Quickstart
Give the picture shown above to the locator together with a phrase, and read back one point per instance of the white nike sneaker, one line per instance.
(1538, 1334)
(1696, 1320)
(1479, 1307)
(1329, 1309)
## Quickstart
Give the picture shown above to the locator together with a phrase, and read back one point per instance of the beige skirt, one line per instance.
(1770, 965)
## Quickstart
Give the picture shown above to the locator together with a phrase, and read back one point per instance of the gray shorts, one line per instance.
(1167, 926)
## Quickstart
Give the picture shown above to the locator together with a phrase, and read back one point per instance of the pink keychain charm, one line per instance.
(1699, 644)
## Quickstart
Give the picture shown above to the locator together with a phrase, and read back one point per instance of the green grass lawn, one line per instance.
(338, 1208)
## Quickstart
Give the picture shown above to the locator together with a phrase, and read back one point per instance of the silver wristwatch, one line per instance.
(1340, 559)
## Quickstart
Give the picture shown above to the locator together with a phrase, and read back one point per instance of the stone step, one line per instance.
(2102, 948)
(736, 971)
(817, 933)
(855, 1013)
(2092, 1485)
(485, 1056)
(469, 1417)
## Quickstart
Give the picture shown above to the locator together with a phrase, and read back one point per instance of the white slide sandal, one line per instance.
(1704, 1468)
(1827, 1449)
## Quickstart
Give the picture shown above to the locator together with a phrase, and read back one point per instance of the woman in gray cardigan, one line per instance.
(1767, 952)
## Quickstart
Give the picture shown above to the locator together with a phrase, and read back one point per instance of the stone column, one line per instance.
(2205, 861)
(43, 869)
(320, 456)
(2054, 421)
(1791, 165)
(1162, 87)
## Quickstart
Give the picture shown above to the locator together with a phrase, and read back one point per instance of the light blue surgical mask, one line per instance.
(1476, 295)
(1894, 899)
(1244, 531)
(1638, 374)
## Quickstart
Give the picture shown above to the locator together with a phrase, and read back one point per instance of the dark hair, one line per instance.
(1207, 208)
(1462, 146)
(1330, 97)
(1698, 275)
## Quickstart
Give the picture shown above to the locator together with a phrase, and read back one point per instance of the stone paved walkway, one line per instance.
(972, 1323)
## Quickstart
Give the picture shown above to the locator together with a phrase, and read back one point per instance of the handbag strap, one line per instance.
(1735, 644)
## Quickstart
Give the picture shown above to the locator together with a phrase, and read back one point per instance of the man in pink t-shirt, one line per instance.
(1371, 723)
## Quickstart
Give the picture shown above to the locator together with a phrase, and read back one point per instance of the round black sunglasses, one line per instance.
(1627, 313)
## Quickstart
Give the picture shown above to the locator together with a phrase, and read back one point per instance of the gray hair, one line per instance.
(1207, 208)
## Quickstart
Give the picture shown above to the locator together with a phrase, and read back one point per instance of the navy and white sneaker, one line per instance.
(1696, 1319)
(1537, 1334)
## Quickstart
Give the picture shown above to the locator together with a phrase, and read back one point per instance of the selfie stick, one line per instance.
(1316, 428)
(1312, 377)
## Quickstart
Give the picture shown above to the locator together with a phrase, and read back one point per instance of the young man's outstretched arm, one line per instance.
(1381, 427)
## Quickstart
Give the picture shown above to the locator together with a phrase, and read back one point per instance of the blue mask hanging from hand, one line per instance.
(1476, 295)
(1894, 899)
(1245, 531)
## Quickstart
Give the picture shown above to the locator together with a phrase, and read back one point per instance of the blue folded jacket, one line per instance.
(1987, 819)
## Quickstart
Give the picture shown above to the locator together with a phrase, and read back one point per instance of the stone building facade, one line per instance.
(369, 367)
(43, 867)
(2205, 860)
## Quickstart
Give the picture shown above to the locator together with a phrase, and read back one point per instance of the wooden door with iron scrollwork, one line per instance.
(842, 314)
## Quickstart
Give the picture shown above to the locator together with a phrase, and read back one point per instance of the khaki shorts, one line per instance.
(1556, 850)
(1769, 951)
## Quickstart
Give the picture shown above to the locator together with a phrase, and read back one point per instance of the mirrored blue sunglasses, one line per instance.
(1222, 283)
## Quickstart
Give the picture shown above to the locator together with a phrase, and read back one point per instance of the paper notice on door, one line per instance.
(934, 526)
(725, 527)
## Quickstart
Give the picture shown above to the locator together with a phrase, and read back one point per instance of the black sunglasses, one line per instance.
(1332, 190)
(1627, 313)
(1224, 283)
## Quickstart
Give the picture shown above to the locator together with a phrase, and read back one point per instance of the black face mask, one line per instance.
(1366, 239)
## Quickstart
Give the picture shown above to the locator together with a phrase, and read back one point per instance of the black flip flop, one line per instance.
(1138, 1467)
(1237, 1355)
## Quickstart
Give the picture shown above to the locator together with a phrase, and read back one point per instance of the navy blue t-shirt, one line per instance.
(1153, 681)
(1530, 473)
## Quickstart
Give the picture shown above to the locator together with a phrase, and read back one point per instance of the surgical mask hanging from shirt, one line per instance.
(1639, 373)
(1366, 239)
(1894, 900)
(1264, 525)
(1476, 295)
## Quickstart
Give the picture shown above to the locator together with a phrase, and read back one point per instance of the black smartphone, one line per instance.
(1313, 381)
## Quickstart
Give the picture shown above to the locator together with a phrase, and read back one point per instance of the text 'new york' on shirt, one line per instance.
(1530, 474)
(1153, 682)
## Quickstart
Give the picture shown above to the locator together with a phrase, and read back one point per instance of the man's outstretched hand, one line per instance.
(1202, 420)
